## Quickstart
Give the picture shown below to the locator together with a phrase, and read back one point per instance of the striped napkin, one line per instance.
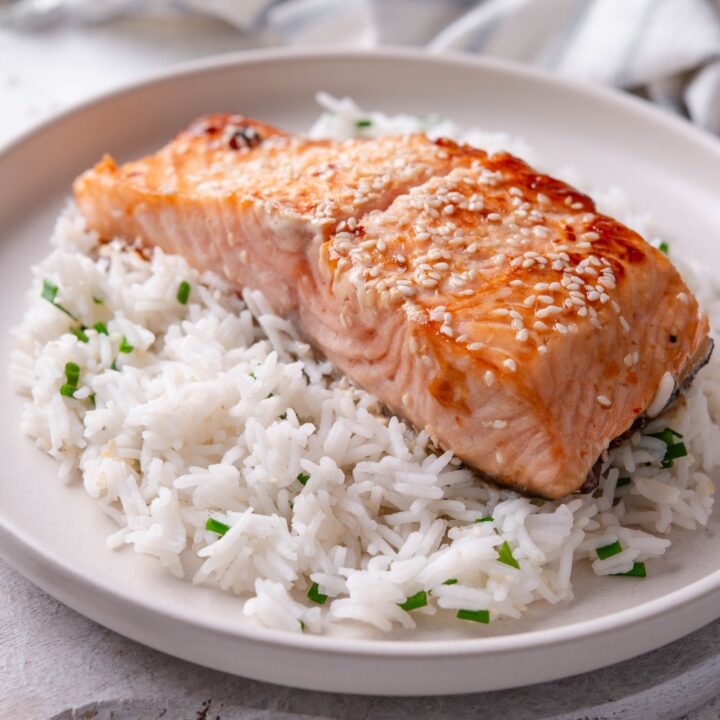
(665, 50)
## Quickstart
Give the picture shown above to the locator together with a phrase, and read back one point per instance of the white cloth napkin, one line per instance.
(667, 50)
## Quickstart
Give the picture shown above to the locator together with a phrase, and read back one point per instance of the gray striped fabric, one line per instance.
(666, 50)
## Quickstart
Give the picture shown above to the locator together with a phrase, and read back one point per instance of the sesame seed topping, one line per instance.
(510, 364)
(604, 401)
(489, 377)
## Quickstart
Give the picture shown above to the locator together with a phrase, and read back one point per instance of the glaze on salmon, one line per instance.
(476, 297)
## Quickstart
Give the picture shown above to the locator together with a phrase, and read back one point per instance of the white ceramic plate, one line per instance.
(55, 536)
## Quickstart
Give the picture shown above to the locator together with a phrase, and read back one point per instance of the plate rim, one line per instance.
(13, 537)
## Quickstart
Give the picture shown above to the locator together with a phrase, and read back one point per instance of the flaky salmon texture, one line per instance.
(476, 297)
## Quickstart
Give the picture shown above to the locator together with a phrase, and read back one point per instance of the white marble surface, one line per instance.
(56, 664)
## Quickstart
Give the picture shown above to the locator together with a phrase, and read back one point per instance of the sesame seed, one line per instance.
(522, 335)
(489, 376)
(546, 299)
(499, 456)
(499, 424)
(624, 323)
(562, 329)
(446, 330)
(540, 325)
(683, 298)
(549, 310)
(529, 300)
(604, 401)
(406, 290)
(542, 349)
(593, 296)
(516, 283)
(494, 217)
(510, 364)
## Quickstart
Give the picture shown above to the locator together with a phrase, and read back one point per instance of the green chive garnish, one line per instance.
(67, 390)
(418, 600)
(252, 375)
(478, 616)
(114, 366)
(49, 291)
(674, 450)
(92, 400)
(125, 346)
(664, 247)
(80, 334)
(302, 625)
(302, 478)
(678, 450)
(183, 292)
(72, 373)
(450, 581)
(607, 551)
(72, 377)
(638, 570)
(668, 435)
(487, 518)
(622, 482)
(216, 526)
(284, 416)
(363, 123)
(315, 595)
(505, 556)
(97, 300)
(101, 328)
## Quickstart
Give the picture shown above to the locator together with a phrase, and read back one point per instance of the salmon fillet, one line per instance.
(478, 298)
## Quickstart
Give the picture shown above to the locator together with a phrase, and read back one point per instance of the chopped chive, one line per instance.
(125, 346)
(505, 556)
(622, 482)
(252, 375)
(664, 247)
(216, 526)
(49, 291)
(675, 451)
(315, 595)
(302, 478)
(269, 395)
(284, 416)
(607, 551)
(487, 518)
(97, 300)
(450, 581)
(114, 366)
(68, 390)
(667, 435)
(638, 570)
(80, 334)
(101, 328)
(478, 616)
(302, 625)
(183, 292)
(363, 123)
(91, 398)
(72, 373)
(418, 600)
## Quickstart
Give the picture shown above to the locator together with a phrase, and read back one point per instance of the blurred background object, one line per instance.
(55, 52)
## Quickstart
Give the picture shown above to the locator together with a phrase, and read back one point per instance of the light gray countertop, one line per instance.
(56, 664)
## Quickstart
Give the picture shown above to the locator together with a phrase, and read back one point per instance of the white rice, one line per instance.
(219, 408)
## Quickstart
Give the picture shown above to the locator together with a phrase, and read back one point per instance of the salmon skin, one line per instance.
(478, 298)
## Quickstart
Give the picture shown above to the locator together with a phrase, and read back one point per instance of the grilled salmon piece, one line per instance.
(473, 295)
